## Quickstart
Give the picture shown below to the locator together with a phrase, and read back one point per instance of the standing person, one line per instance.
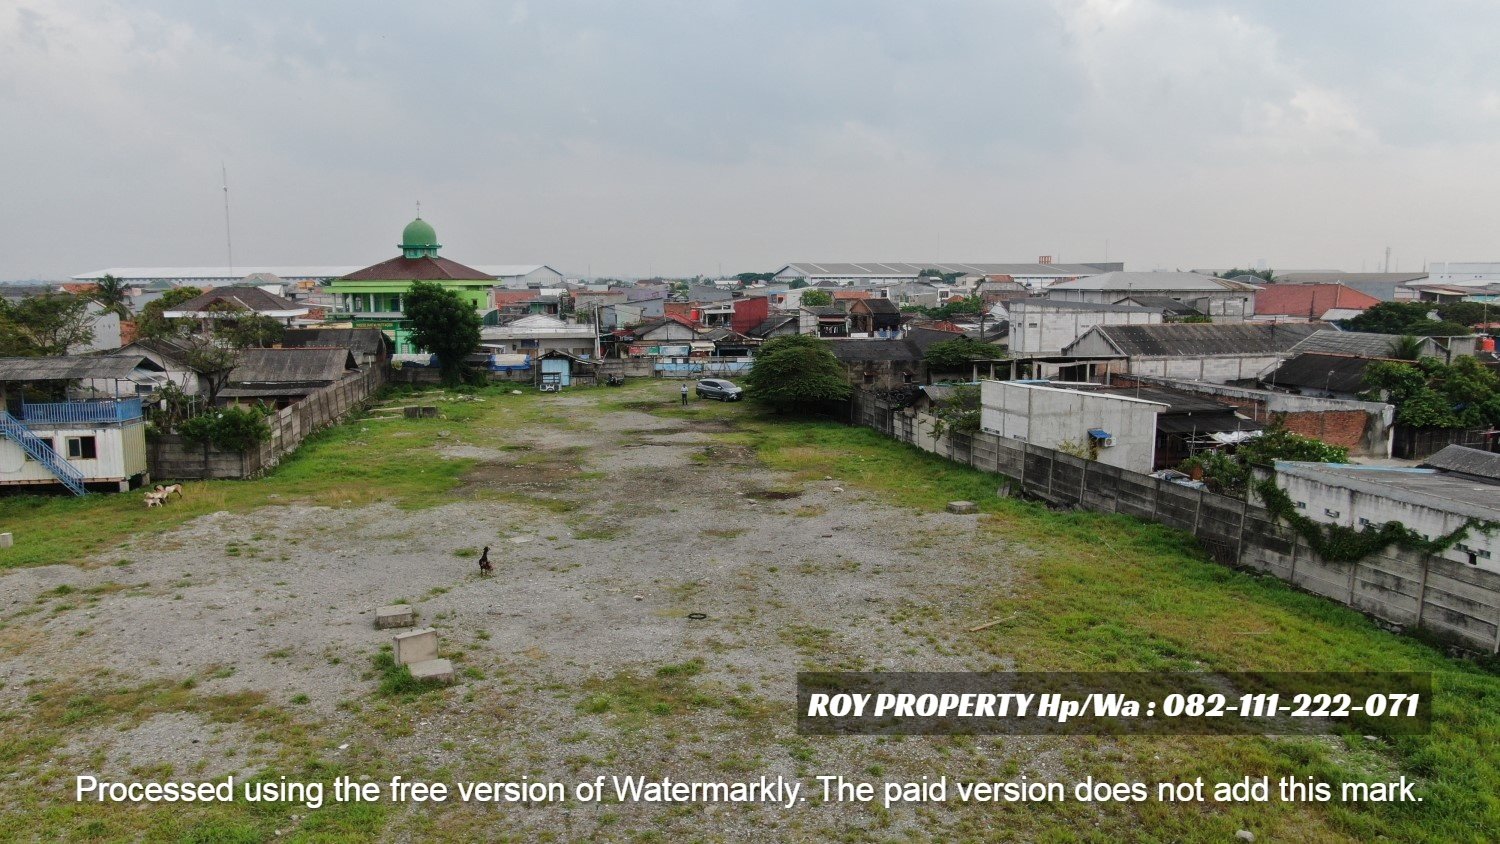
(684, 394)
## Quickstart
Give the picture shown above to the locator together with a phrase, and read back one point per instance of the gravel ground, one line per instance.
(604, 543)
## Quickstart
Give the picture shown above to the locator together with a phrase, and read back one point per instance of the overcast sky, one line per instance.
(631, 137)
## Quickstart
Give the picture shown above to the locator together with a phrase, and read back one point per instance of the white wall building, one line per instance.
(1114, 430)
(1433, 502)
(1046, 326)
(1221, 299)
(1462, 274)
(522, 276)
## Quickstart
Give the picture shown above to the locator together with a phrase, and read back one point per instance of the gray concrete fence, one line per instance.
(1406, 590)
(171, 457)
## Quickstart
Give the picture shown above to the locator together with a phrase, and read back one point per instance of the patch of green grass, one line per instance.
(396, 680)
(634, 701)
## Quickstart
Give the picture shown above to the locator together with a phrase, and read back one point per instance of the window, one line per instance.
(1332, 514)
(1364, 522)
(82, 448)
(1301, 505)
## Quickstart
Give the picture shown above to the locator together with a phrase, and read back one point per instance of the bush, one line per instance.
(235, 429)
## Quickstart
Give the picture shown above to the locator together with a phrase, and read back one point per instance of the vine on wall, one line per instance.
(1340, 544)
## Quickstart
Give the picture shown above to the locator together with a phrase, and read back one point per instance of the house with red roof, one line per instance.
(1310, 302)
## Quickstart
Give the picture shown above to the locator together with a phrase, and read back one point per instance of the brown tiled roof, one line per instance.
(417, 269)
(248, 298)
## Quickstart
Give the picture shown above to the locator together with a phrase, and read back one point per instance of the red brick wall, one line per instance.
(1336, 427)
(750, 312)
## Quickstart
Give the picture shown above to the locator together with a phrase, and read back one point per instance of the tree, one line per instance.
(1431, 394)
(151, 323)
(212, 359)
(794, 372)
(816, 298)
(249, 330)
(1266, 275)
(45, 325)
(1414, 318)
(796, 284)
(112, 294)
(1406, 347)
(444, 324)
(960, 352)
(1229, 474)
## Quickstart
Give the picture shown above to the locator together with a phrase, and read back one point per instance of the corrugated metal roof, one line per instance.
(1312, 371)
(368, 341)
(73, 367)
(1469, 461)
(290, 366)
(902, 269)
(1096, 307)
(1127, 281)
(860, 350)
(1353, 343)
(1201, 339)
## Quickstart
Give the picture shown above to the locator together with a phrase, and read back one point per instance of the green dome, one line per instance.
(418, 234)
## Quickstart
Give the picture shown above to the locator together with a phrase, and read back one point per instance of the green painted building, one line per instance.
(373, 296)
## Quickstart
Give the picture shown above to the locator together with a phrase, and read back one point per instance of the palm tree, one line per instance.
(1406, 347)
(111, 293)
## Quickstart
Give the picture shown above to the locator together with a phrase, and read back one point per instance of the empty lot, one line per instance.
(660, 576)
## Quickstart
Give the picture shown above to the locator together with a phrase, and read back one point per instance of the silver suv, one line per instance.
(718, 388)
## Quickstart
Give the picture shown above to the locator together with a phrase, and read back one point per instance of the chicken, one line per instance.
(485, 566)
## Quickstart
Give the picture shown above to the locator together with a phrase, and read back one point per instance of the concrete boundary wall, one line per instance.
(170, 457)
(1406, 590)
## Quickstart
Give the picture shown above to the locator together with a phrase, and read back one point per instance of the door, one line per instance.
(561, 367)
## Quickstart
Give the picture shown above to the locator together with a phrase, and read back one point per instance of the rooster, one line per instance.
(485, 566)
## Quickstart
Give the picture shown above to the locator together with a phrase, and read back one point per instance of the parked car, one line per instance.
(718, 388)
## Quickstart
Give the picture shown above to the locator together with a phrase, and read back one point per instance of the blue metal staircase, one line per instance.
(41, 452)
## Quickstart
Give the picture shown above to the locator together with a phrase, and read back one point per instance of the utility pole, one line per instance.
(228, 238)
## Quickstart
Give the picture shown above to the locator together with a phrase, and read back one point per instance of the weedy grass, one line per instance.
(1112, 593)
(355, 463)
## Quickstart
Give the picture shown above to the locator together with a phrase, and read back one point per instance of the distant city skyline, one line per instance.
(640, 139)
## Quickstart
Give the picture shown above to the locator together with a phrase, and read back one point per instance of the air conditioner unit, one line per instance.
(1107, 442)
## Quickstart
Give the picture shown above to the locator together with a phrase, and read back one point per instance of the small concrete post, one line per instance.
(416, 646)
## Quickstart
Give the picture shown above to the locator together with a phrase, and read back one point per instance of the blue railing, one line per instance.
(39, 450)
(88, 412)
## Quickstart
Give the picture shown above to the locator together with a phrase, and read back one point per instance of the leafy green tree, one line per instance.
(41, 326)
(444, 324)
(112, 294)
(816, 298)
(1229, 474)
(1267, 275)
(251, 330)
(1466, 313)
(1412, 318)
(949, 310)
(151, 323)
(1406, 347)
(796, 284)
(960, 352)
(1431, 394)
(796, 372)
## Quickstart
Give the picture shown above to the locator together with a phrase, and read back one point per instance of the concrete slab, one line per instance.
(440, 670)
(962, 507)
(416, 646)
(395, 615)
(6, 540)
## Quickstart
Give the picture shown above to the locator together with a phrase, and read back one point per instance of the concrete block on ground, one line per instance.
(416, 646)
(440, 670)
(962, 507)
(395, 615)
(420, 412)
(6, 540)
